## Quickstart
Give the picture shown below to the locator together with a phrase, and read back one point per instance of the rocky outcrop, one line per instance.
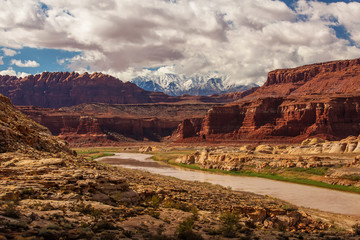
(333, 162)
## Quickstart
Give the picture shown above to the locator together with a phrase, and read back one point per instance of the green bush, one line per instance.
(103, 225)
(229, 224)
(356, 229)
(185, 230)
(87, 209)
(178, 205)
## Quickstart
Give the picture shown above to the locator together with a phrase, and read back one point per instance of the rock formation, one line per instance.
(107, 124)
(321, 78)
(336, 161)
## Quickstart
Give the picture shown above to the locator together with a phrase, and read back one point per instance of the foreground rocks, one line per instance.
(73, 198)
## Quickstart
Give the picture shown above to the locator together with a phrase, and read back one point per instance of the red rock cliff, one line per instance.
(322, 78)
(293, 118)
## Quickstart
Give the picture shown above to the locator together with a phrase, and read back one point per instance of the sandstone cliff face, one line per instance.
(291, 118)
(105, 124)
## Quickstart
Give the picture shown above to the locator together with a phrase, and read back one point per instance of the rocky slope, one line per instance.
(19, 133)
(320, 99)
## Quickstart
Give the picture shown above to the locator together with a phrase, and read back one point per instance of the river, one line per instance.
(297, 194)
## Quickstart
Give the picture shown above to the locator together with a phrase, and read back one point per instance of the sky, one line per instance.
(125, 38)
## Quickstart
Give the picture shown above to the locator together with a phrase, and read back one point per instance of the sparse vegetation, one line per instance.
(178, 205)
(87, 209)
(314, 171)
(274, 176)
(356, 229)
(185, 230)
(229, 224)
(287, 207)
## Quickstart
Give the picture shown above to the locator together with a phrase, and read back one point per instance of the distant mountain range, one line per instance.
(177, 85)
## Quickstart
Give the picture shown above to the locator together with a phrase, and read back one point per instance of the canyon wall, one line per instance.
(104, 124)
(290, 118)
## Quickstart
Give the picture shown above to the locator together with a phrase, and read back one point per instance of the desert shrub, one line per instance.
(87, 209)
(287, 207)
(155, 201)
(356, 229)
(229, 224)
(185, 230)
(154, 214)
(103, 225)
(178, 205)
(48, 234)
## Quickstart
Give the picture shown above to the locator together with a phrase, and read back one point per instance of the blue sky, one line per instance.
(244, 39)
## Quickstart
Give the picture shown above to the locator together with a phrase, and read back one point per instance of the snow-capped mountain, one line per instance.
(177, 85)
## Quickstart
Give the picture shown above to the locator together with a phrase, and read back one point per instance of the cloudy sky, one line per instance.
(125, 38)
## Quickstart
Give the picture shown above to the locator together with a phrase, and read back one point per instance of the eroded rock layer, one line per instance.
(106, 124)
(321, 78)
(295, 118)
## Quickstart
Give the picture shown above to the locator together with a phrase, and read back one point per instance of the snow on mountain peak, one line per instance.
(196, 84)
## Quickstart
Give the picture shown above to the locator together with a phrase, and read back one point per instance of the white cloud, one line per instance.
(9, 52)
(12, 72)
(1, 61)
(27, 63)
(244, 39)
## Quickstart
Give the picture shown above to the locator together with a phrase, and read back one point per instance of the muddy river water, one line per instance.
(300, 195)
